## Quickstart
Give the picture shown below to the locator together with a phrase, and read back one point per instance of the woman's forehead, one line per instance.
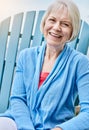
(58, 7)
(59, 12)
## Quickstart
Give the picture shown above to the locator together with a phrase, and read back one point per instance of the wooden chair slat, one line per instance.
(4, 29)
(37, 39)
(83, 38)
(27, 30)
(10, 62)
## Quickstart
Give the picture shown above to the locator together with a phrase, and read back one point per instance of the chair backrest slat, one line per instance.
(4, 29)
(27, 30)
(83, 38)
(37, 39)
(10, 62)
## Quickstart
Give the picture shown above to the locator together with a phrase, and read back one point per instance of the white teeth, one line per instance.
(55, 35)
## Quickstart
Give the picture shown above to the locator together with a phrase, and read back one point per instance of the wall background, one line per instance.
(11, 7)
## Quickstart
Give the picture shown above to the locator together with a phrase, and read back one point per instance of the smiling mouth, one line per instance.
(55, 35)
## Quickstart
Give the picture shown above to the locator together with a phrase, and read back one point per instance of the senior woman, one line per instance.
(45, 88)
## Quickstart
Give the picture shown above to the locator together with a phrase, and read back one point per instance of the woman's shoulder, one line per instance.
(30, 50)
(78, 55)
(28, 54)
(79, 61)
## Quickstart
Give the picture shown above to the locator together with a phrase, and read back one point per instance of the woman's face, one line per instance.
(58, 28)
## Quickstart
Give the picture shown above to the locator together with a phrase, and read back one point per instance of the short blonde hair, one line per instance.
(73, 11)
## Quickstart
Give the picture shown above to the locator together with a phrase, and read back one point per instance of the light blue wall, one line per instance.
(43, 4)
(84, 8)
(11, 7)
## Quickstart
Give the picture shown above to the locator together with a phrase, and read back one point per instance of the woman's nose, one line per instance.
(57, 26)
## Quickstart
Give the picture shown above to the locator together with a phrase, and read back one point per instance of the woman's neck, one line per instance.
(52, 52)
(51, 55)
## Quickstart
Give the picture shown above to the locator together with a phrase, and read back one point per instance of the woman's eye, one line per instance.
(52, 20)
(65, 24)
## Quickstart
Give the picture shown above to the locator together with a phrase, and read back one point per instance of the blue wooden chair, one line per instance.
(19, 32)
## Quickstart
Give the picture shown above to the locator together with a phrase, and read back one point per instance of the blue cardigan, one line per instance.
(52, 104)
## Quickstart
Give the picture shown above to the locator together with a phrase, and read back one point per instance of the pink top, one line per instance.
(43, 76)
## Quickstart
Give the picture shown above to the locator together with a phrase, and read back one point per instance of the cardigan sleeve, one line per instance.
(81, 121)
(18, 108)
